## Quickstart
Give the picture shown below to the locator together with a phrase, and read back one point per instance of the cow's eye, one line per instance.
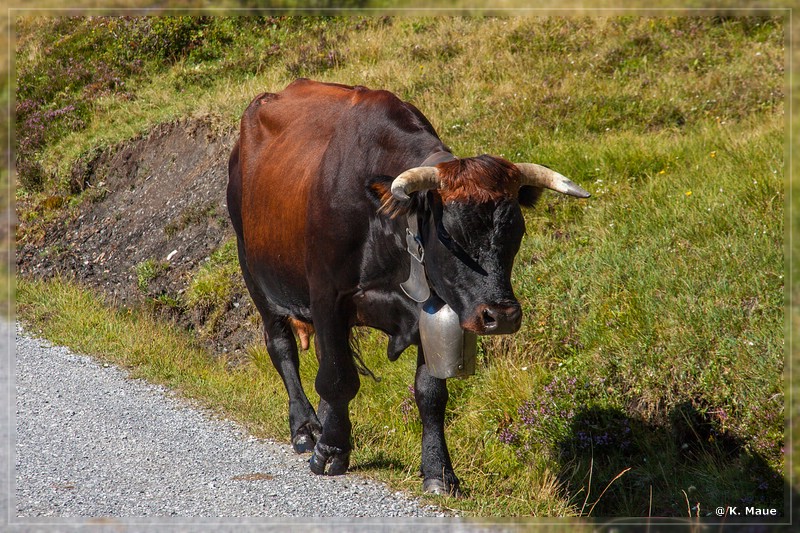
(456, 249)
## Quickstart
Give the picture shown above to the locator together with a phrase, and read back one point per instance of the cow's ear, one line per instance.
(380, 192)
(528, 196)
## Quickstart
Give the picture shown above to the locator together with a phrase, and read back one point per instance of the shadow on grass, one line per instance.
(378, 461)
(688, 466)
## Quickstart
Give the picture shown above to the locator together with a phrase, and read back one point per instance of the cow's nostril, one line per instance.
(497, 319)
(489, 320)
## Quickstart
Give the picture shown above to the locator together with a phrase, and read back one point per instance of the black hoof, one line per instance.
(437, 486)
(303, 443)
(305, 439)
(335, 459)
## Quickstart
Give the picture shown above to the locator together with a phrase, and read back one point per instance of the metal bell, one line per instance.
(449, 350)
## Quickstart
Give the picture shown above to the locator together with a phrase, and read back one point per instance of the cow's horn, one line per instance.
(415, 179)
(539, 176)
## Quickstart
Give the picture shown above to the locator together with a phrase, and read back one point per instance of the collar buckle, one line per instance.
(416, 286)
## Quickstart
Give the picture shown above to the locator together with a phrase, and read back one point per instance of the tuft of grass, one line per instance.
(147, 271)
(212, 288)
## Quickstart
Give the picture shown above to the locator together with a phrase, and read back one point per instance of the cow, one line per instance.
(326, 182)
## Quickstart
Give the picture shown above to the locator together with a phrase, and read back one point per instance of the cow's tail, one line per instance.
(361, 367)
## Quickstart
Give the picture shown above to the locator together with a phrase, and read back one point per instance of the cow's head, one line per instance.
(471, 229)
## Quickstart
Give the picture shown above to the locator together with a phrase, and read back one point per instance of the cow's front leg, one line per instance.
(337, 383)
(431, 396)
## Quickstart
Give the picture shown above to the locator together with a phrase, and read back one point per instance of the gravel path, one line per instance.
(92, 442)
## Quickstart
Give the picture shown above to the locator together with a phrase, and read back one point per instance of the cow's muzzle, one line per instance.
(498, 319)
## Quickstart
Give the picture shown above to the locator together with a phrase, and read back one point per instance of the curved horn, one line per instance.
(415, 179)
(539, 176)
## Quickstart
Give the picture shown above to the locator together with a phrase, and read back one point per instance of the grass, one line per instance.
(212, 288)
(792, 254)
(147, 271)
(649, 370)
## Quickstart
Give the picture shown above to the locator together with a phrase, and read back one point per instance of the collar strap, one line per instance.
(414, 240)
(416, 286)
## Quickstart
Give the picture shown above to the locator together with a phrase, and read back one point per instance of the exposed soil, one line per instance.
(156, 200)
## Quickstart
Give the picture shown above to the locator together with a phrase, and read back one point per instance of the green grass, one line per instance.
(147, 271)
(509, 83)
(651, 357)
(792, 254)
(212, 288)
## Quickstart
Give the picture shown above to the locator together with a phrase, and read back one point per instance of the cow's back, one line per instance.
(313, 141)
(283, 138)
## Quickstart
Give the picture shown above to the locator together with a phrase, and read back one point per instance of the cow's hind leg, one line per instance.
(282, 348)
(431, 396)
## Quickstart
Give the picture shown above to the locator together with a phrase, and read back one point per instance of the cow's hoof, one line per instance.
(306, 437)
(335, 459)
(437, 486)
(303, 443)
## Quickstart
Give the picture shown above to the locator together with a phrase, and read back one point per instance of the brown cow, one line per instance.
(325, 182)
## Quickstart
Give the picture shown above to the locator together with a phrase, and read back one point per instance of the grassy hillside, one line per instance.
(651, 357)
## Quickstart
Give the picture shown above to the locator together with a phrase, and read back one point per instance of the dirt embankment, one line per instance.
(153, 211)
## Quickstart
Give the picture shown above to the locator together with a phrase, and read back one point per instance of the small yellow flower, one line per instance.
(688, 193)
(662, 171)
(713, 154)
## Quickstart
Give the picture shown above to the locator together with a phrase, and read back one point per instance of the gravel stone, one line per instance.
(92, 442)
